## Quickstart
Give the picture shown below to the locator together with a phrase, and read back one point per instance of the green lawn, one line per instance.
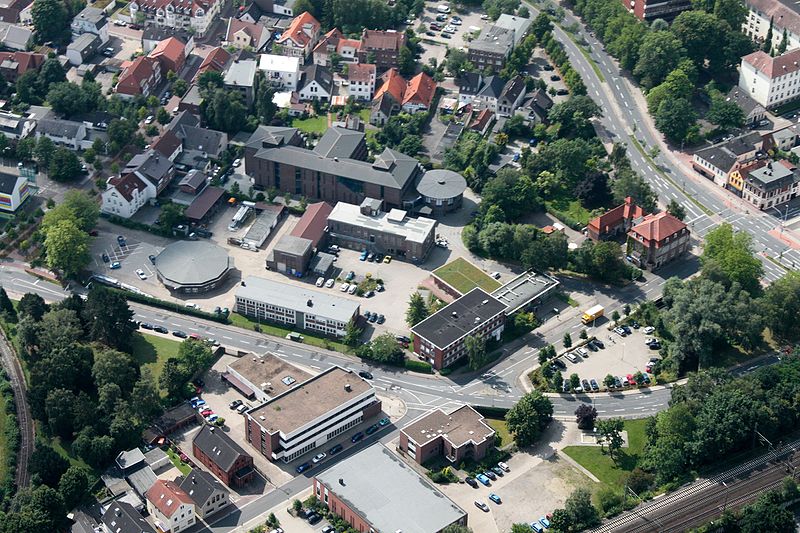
(463, 276)
(364, 115)
(501, 428)
(567, 210)
(318, 124)
(601, 465)
(278, 331)
(176, 460)
(152, 352)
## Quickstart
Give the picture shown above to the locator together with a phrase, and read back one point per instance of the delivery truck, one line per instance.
(592, 314)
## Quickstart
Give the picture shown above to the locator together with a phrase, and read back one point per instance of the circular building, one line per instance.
(442, 190)
(192, 266)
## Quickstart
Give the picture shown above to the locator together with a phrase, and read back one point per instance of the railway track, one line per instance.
(24, 419)
(704, 500)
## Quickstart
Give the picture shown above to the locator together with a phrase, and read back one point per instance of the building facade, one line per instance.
(770, 185)
(457, 436)
(657, 240)
(649, 10)
(207, 493)
(226, 459)
(125, 194)
(381, 48)
(771, 81)
(194, 15)
(170, 507)
(781, 15)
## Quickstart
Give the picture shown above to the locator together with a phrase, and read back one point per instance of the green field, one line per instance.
(463, 276)
(152, 352)
(568, 210)
(176, 460)
(318, 124)
(601, 465)
(500, 426)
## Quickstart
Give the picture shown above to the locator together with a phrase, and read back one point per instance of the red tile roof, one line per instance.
(774, 67)
(362, 72)
(348, 43)
(254, 31)
(420, 90)
(167, 497)
(393, 83)
(658, 227)
(127, 184)
(172, 53)
(295, 32)
(312, 224)
(25, 60)
(180, 6)
(381, 40)
(480, 122)
(329, 39)
(136, 73)
(626, 211)
(167, 143)
(216, 60)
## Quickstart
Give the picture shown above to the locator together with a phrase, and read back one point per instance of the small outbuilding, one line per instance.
(442, 190)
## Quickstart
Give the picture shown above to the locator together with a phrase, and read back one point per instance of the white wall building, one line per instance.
(771, 81)
(170, 507)
(196, 15)
(281, 71)
(126, 194)
(784, 15)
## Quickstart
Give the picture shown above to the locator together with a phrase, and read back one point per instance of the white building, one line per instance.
(170, 507)
(90, 20)
(783, 14)
(196, 15)
(316, 84)
(771, 81)
(361, 81)
(209, 495)
(282, 72)
(126, 194)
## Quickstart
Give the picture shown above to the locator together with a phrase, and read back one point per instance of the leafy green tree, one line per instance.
(47, 464)
(50, 21)
(585, 415)
(67, 247)
(174, 377)
(456, 62)
(541, 26)
(457, 528)
(659, 54)
(575, 115)
(352, 333)
(31, 305)
(76, 206)
(109, 318)
(580, 510)
(725, 114)
(784, 42)
(782, 306)
(475, 348)
(224, 111)
(767, 514)
(608, 381)
(44, 150)
(25, 147)
(615, 316)
(384, 349)
(74, 485)
(610, 431)
(114, 367)
(728, 257)
(528, 418)
(68, 99)
(674, 118)
(417, 309)
(64, 165)
(567, 340)
(675, 209)
(7, 310)
(629, 183)
(574, 381)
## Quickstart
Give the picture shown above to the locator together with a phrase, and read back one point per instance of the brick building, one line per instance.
(657, 240)
(226, 459)
(456, 436)
(381, 45)
(614, 222)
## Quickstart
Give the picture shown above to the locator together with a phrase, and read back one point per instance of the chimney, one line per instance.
(310, 303)
(347, 387)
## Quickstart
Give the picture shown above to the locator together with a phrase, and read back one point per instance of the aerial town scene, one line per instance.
(399, 266)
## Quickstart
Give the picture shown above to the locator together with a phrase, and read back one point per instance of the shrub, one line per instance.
(418, 366)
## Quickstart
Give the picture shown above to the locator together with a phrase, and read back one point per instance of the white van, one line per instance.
(443, 8)
(571, 357)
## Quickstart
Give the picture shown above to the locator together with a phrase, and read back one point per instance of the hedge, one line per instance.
(140, 226)
(12, 434)
(418, 366)
(172, 306)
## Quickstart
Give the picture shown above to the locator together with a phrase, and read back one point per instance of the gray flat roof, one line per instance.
(270, 371)
(241, 73)
(412, 229)
(263, 225)
(495, 39)
(459, 318)
(297, 298)
(192, 262)
(523, 289)
(389, 494)
(291, 245)
(442, 184)
(519, 25)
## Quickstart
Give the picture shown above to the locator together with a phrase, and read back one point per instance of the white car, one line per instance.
(320, 281)
(149, 119)
(648, 330)
(237, 162)
(329, 283)
(353, 288)
(345, 287)
(455, 21)
(141, 274)
(190, 305)
(504, 466)
(319, 457)
(495, 275)
(449, 29)
(484, 17)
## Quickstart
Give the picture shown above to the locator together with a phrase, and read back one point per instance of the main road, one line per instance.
(625, 120)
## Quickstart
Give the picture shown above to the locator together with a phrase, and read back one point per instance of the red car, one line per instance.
(631, 381)
(435, 26)
(206, 412)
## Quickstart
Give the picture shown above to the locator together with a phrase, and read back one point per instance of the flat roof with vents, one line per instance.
(524, 289)
(458, 427)
(268, 373)
(459, 318)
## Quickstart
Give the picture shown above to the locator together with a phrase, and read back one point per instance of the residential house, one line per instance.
(535, 107)
(615, 222)
(198, 145)
(489, 94)
(316, 84)
(11, 10)
(282, 72)
(15, 64)
(334, 42)
(171, 509)
(388, 97)
(481, 121)
(15, 37)
(491, 49)
(83, 48)
(171, 53)
(72, 134)
(152, 35)
(226, 459)
(16, 126)
(241, 77)
(771, 81)
(361, 80)
(90, 20)
(419, 93)
(511, 96)
(771, 184)
(469, 83)
(718, 161)
(168, 144)
(193, 182)
(656, 240)
(208, 494)
(13, 192)
(381, 48)
(217, 60)
(782, 139)
(152, 167)
(121, 517)
(753, 111)
(140, 77)
(736, 178)
(125, 194)
(779, 16)
(194, 15)
(300, 37)
(460, 435)
(246, 35)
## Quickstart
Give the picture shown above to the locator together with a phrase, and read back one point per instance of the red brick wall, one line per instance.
(339, 508)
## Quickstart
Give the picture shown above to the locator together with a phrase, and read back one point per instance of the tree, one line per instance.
(782, 302)
(50, 20)
(25, 147)
(109, 317)
(163, 116)
(560, 521)
(767, 514)
(676, 209)
(120, 133)
(585, 416)
(352, 333)
(528, 418)
(767, 46)
(7, 307)
(174, 377)
(47, 464)
(615, 316)
(76, 206)
(728, 258)
(64, 165)
(725, 114)
(171, 215)
(32, 305)
(582, 514)
(659, 54)
(475, 348)
(567, 340)
(44, 151)
(417, 309)
(67, 247)
(629, 183)
(574, 381)
(224, 110)
(703, 37)
(59, 406)
(74, 485)
(608, 381)
(69, 99)
(385, 349)
(782, 46)
(457, 62)
(113, 367)
(145, 398)
(456, 528)
(610, 431)
(406, 63)
(674, 118)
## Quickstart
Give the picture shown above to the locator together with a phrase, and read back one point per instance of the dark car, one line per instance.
(234, 404)
(121, 240)
(471, 482)
(627, 330)
(303, 467)
(336, 449)
(548, 67)
(402, 338)
(373, 318)
(444, 35)
(105, 257)
(635, 325)
(160, 329)
(555, 77)
(585, 385)
(491, 475)
(562, 92)
(146, 325)
(180, 334)
(497, 470)
(369, 294)
(357, 437)
(429, 33)
(598, 343)
(591, 346)
(152, 259)
(364, 374)
(617, 383)
(595, 386)
(381, 319)
(372, 429)
(314, 518)
(559, 364)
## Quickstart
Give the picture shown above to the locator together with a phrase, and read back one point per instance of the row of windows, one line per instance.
(339, 431)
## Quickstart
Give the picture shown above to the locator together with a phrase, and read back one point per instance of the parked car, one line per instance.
(585, 385)
(598, 343)
(491, 475)
(471, 482)
(146, 325)
(320, 281)
(357, 437)
(495, 498)
(344, 287)
(444, 35)
(483, 479)
(381, 319)
(212, 418)
(548, 67)
(350, 276)
(498, 471)
(387, 259)
(545, 522)
(329, 283)
(648, 330)
(105, 257)
(180, 334)
(314, 518)
(558, 363)
(555, 77)
(149, 119)
(152, 259)
(336, 449)
(372, 429)
(583, 351)
(234, 404)
(121, 240)
(237, 162)
(504, 466)
(617, 382)
(115, 265)
(241, 409)
(319, 457)
(363, 256)
(303, 467)
(373, 318)
(537, 527)
(595, 386)
(160, 329)
(383, 422)
(562, 92)
(482, 506)
(141, 274)
(352, 289)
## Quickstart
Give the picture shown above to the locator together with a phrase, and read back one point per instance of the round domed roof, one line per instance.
(441, 184)
(192, 262)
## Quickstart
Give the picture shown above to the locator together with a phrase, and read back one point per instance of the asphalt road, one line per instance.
(706, 499)
(624, 119)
